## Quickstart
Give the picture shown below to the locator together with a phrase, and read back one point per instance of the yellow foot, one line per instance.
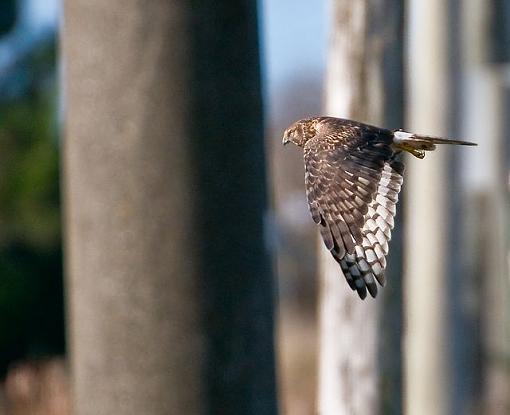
(410, 149)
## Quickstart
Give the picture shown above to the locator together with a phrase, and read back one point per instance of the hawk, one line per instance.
(352, 179)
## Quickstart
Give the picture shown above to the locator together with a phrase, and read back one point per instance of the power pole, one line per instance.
(363, 83)
(428, 386)
(168, 279)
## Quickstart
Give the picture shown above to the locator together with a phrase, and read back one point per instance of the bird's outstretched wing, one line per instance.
(352, 186)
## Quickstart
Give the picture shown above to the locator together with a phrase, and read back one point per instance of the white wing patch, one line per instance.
(368, 262)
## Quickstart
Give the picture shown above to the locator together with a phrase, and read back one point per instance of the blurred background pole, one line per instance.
(169, 284)
(427, 375)
(486, 57)
(363, 82)
(136, 341)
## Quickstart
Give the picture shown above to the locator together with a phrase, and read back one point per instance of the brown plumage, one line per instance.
(352, 179)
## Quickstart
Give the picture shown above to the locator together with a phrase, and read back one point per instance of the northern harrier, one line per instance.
(352, 179)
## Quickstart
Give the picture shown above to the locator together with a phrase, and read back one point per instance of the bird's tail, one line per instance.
(418, 144)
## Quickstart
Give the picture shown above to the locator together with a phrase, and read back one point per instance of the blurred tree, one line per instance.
(170, 290)
(8, 14)
(359, 369)
(31, 317)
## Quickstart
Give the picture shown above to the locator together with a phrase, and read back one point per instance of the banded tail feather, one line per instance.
(417, 144)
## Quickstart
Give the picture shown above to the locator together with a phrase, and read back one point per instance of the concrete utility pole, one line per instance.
(365, 55)
(486, 56)
(168, 280)
(428, 384)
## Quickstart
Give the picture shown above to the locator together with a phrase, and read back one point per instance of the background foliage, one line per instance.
(31, 301)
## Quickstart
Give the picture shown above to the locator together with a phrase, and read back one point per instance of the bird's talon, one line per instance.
(418, 153)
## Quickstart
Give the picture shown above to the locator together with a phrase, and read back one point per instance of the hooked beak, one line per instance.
(285, 140)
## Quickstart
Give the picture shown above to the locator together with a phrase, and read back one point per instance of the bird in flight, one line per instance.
(352, 179)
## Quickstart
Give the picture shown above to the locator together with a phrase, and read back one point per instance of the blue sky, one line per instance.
(293, 34)
(294, 40)
(37, 19)
(41, 13)
(294, 37)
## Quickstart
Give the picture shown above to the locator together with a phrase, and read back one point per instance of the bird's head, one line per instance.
(301, 131)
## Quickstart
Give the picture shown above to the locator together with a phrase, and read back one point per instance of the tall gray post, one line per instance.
(363, 83)
(168, 281)
(428, 386)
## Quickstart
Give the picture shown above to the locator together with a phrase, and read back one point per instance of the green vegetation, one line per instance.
(31, 304)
